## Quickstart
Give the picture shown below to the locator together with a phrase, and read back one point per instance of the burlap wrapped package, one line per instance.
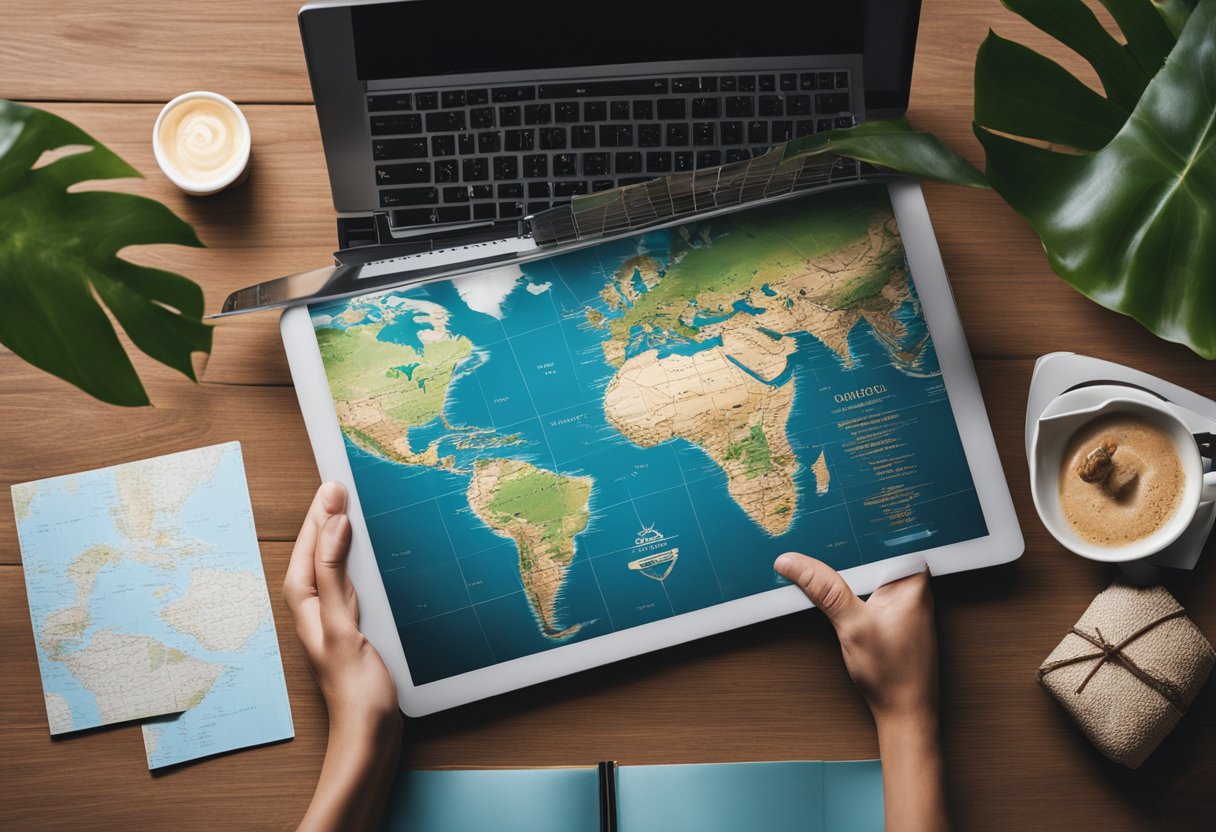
(1128, 670)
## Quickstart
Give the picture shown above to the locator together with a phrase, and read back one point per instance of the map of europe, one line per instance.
(581, 444)
(148, 602)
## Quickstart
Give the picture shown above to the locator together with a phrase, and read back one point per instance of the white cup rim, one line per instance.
(1147, 546)
(242, 154)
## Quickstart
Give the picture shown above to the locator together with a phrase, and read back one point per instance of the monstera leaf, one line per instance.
(1120, 187)
(59, 263)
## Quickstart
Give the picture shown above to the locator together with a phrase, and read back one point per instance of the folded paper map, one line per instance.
(147, 598)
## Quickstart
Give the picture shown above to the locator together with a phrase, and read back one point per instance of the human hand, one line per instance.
(357, 687)
(889, 642)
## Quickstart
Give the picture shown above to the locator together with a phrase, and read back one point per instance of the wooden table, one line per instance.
(772, 691)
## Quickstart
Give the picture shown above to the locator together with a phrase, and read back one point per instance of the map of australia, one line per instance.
(693, 400)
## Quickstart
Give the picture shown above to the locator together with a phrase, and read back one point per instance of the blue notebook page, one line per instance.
(759, 797)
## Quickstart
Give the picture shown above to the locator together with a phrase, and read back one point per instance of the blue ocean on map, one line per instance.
(538, 373)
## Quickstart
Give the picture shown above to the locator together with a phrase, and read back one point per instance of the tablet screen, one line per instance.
(550, 452)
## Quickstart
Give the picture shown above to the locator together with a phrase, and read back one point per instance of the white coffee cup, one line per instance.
(202, 141)
(1078, 407)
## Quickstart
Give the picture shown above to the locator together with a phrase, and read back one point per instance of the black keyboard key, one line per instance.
(392, 101)
(705, 108)
(823, 124)
(624, 135)
(650, 135)
(443, 145)
(595, 164)
(566, 112)
(458, 193)
(513, 94)
(447, 171)
(798, 105)
(685, 85)
(601, 185)
(671, 108)
(709, 84)
(414, 216)
(553, 138)
(537, 207)
(390, 125)
(683, 161)
(607, 135)
(677, 135)
(788, 82)
(481, 118)
(582, 136)
(468, 144)
(520, 140)
(506, 167)
(703, 133)
(409, 196)
(452, 213)
(633, 180)
(737, 154)
(536, 166)
(482, 191)
(630, 162)
(510, 116)
(771, 105)
(475, 97)
(513, 190)
(757, 132)
(643, 110)
(538, 114)
(578, 188)
(781, 131)
(399, 149)
(658, 161)
(804, 127)
(768, 83)
(739, 106)
(595, 111)
(619, 110)
(709, 158)
(475, 170)
(605, 89)
(732, 132)
(842, 80)
(425, 101)
(757, 152)
(806, 81)
(747, 83)
(831, 102)
(510, 209)
(565, 164)
(408, 174)
(538, 190)
(485, 211)
(827, 80)
(452, 98)
(448, 121)
(843, 122)
(728, 83)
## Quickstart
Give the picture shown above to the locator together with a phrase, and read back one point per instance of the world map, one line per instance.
(148, 602)
(550, 452)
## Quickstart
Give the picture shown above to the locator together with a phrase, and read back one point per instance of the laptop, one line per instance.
(443, 118)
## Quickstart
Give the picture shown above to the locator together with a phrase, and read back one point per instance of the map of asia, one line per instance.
(551, 452)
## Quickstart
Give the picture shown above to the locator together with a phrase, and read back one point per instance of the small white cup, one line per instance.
(235, 169)
(1051, 435)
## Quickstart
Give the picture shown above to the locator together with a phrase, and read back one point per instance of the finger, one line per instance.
(333, 582)
(912, 585)
(822, 584)
(300, 581)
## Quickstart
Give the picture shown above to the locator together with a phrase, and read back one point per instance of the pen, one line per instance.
(607, 775)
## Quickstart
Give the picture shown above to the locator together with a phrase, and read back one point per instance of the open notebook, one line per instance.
(727, 797)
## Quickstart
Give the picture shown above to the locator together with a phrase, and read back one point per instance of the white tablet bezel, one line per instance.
(1003, 542)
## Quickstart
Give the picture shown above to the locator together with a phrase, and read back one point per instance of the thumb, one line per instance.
(333, 582)
(822, 584)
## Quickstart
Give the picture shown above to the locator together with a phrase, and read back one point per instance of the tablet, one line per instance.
(585, 456)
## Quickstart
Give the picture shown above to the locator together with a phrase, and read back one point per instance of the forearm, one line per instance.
(912, 773)
(360, 766)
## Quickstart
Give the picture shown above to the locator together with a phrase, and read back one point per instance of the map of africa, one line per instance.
(550, 452)
(148, 599)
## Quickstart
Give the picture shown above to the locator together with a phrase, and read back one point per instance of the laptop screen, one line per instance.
(424, 37)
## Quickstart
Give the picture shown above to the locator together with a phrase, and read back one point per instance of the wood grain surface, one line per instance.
(772, 691)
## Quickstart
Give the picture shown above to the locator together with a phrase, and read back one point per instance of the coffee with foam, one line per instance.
(202, 142)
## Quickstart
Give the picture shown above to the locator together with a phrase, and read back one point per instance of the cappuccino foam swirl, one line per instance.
(202, 139)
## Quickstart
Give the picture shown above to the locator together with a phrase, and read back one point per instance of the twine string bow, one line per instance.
(1108, 652)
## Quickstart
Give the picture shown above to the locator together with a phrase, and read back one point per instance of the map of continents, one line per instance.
(668, 407)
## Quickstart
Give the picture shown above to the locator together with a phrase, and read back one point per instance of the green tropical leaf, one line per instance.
(59, 258)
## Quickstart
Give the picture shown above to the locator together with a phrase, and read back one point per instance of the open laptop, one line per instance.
(443, 116)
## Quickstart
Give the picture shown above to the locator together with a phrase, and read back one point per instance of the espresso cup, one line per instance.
(1051, 436)
(201, 141)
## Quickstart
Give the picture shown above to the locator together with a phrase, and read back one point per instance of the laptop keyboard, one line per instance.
(461, 155)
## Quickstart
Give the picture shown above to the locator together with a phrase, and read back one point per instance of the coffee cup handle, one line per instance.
(1208, 493)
